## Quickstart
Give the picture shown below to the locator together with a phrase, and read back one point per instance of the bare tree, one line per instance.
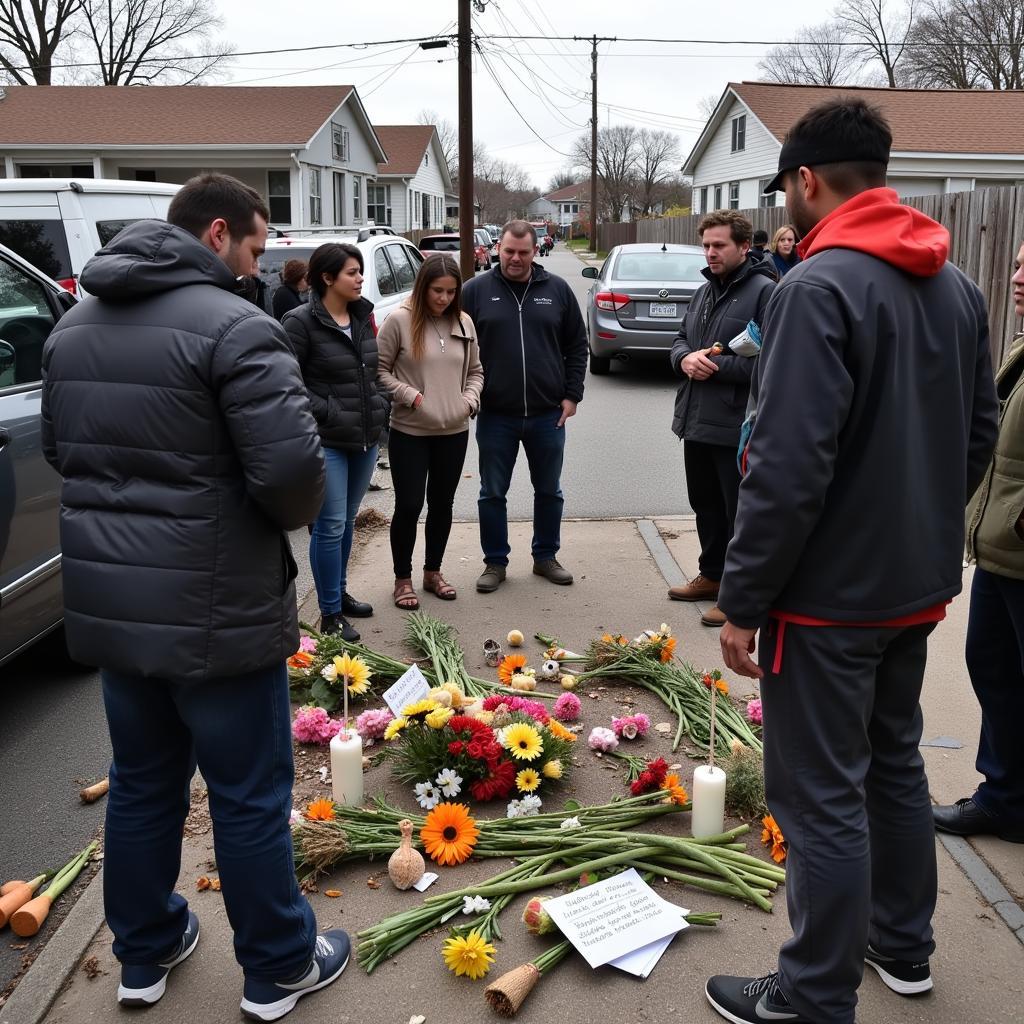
(616, 166)
(144, 42)
(657, 162)
(30, 33)
(880, 29)
(817, 56)
(447, 136)
(707, 105)
(503, 189)
(942, 56)
(563, 179)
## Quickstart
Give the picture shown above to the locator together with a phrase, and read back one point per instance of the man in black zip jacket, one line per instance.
(533, 346)
(712, 397)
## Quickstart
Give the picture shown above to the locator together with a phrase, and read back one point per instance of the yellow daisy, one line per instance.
(527, 780)
(522, 741)
(471, 956)
(552, 769)
(420, 709)
(354, 671)
(395, 727)
(438, 718)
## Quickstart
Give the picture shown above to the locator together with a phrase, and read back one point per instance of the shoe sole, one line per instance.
(359, 615)
(154, 993)
(275, 1011)
(713, 625)
(728, 1015)
(558, 583)
(1006, 837)
(693, 600)
(897, 985)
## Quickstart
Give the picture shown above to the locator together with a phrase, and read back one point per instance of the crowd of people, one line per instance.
(862, 370)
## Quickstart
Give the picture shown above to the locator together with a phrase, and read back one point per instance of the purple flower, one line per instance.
(307, 644)
(754, 710)
(567, 707)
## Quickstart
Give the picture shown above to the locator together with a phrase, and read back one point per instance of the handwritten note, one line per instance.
(410, 687)
(609, 919)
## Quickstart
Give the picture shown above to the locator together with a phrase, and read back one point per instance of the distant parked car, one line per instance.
(639, 298)
(31, 599)
(390, 263)
(450, 244)
(490, 249)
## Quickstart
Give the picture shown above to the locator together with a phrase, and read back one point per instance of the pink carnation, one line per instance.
(602, 739)
(533, 708)
(631, 726)
(567, 707)
(307, 644)
(372, 723)
(754, 710)
(314, 725)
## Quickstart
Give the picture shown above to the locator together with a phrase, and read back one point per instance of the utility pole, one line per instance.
(467, 210)
(594, 40)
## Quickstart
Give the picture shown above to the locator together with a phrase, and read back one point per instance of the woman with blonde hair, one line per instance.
(430, 366)
(783, 250)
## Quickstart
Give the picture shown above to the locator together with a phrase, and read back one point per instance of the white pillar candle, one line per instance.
(708, 815)
(347, 768)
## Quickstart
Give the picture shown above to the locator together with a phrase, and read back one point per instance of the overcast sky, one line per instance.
(656, 85)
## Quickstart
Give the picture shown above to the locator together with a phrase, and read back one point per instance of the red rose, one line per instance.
(456, 748)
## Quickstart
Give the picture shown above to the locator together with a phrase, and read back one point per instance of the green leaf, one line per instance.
(571, 805)
(324, 696)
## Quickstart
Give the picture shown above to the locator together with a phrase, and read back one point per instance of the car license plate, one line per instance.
(663, 309)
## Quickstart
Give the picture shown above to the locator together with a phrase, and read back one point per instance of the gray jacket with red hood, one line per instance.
(876, 417)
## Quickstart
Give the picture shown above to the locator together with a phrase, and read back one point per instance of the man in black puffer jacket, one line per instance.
(712, 397)
(175, 412)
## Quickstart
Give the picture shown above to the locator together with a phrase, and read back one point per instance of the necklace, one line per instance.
(437, 330)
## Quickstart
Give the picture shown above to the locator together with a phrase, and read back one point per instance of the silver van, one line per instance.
(31, 601)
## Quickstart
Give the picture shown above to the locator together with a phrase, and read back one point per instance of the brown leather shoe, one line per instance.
(700, 588)
(714, 616)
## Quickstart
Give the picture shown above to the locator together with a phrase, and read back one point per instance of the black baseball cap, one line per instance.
(797, 152)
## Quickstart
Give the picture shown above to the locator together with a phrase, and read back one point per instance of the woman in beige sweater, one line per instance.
(430, 366)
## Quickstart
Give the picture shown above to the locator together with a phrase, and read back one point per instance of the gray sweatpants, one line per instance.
(845, 781)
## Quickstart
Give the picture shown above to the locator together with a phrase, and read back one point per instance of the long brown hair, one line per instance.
(433, 267)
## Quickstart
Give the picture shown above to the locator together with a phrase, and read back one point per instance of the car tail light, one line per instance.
(606, 335)
(69, 284)
(611, 302)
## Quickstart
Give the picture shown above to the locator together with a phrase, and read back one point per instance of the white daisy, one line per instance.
(449, 783)
(475, 904)
(427, 795)
(514, 810)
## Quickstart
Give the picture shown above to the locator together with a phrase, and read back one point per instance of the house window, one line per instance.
(145, 175)
(357, 199)
(734, 195)
(378, 203)
(718, 197)
(765, 202)
(739, 133)
(703, 193)
(316, 210)
(426, 159)
(575, 207)
(279, 193)
(340, 142)
(339, 198)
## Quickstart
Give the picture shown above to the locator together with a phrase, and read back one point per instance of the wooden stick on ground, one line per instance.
(92, 793)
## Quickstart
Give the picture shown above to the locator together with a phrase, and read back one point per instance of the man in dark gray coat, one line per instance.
(175, 412)
(712, 396)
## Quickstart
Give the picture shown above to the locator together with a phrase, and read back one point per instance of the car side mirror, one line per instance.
(590, 271)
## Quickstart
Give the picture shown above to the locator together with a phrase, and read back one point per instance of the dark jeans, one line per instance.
(427, 466)
(995, 655)
(239, 731)
(498, 438)
(712, 485)
(845, 780)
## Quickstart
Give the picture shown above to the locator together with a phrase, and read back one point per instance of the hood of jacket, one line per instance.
(149, 257)
(875, 222)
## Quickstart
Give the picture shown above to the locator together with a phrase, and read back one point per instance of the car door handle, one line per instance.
(5, 438)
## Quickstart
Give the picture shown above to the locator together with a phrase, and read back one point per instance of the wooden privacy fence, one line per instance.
(986, 228)
(609, 235)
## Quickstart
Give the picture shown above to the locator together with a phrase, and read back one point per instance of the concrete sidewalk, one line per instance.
(979, 960)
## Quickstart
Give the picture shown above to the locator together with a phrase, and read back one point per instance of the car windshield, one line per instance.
(440, 244)
(659, 266)
(273, 260)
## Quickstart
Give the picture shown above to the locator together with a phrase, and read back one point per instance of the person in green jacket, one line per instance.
(995, 627)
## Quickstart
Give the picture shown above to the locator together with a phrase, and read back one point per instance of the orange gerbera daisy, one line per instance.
(559, 731)
(674, 788)
(771, 835)
(449, 834)
(509, 666)
(321, 810)
(300, 659)
(668, 648)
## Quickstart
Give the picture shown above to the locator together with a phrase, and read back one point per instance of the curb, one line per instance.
(36, 991)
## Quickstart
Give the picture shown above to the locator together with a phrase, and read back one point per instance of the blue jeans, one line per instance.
(348, 476)
(238, 729)
(498, 438)
(995, 661)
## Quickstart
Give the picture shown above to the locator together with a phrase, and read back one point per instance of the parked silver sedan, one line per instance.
(639, 298)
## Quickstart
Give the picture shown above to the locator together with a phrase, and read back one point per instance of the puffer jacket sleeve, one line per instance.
(49, 441)
(263, 401)
(683, 346)
(984, 409)
(301, 342)
(734, 369)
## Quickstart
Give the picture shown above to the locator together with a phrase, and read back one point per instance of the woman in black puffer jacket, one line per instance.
(334, 338)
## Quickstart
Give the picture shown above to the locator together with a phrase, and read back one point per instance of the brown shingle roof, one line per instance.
(168, 115)
(405, 145)
(922, 120)
(579, 192)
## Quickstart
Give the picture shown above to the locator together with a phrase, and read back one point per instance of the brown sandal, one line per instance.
(405, 597)
(434, 583)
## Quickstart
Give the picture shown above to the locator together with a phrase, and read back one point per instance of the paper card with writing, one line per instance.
(410, 687)
(608, 919)
(642, 961)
